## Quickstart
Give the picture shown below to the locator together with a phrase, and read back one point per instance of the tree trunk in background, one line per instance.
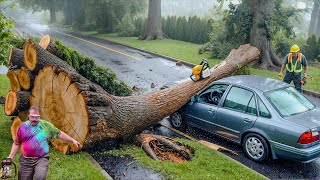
(53, 18)
(67, 11)
(314, 19)
(154, 26)
(263, 12)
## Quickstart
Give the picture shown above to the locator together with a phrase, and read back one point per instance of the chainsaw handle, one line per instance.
(205, 65)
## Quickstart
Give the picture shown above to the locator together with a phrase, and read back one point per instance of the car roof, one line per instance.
(255, 82)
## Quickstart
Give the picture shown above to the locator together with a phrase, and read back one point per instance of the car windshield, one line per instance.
(288, 101)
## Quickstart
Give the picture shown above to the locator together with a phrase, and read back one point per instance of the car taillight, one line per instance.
(308, 137)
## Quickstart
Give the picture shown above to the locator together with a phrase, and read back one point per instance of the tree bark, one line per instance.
(23, 115)
(15, 102)
(154, 25)
(314, 19)
(262, 12)
(15, 58)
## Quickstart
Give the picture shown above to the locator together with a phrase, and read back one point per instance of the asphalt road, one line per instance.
(141, 69)
(135, 68)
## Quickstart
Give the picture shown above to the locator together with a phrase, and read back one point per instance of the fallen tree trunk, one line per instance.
(89, 115)
(15, 58)
(15, 102)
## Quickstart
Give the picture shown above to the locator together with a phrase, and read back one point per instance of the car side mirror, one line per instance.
(194, 98)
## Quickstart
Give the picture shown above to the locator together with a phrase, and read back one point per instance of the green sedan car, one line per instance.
(269, 118)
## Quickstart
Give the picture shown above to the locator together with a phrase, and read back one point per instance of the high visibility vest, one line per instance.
(293, 67)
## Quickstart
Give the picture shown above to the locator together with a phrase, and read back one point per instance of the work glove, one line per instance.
(305, 75)
(280, 75)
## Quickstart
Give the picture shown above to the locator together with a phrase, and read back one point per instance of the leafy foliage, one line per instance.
(281, 17)
(86, 66)
(225, 34)
(126, 27)
(7, 37)
(107, 14)
(312, 48)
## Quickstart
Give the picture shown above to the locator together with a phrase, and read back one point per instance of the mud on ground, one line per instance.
(126, 167)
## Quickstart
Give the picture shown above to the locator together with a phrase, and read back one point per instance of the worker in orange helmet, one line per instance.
(294, 62)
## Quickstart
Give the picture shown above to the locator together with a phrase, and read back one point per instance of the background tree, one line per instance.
(40, 5)
(254, 22)
(154, 25)
(314, 18)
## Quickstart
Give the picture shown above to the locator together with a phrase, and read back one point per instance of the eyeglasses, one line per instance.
(34, 116)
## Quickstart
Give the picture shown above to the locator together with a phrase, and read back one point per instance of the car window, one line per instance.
(238, 99)
(288, 101)
(212, 94)
(263, 111)
(252, 108)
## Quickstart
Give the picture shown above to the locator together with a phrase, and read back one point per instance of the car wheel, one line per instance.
(255, 147)
(176, 120)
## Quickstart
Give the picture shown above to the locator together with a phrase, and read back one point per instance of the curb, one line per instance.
(95, 163)
(311, 93)
(191, 65)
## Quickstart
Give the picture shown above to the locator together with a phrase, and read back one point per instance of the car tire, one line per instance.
(177, 121)
(255, 147)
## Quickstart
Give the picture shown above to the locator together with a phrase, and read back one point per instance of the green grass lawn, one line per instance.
(189, 52)
(76, 166)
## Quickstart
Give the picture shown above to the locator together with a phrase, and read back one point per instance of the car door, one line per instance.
(238, 113)
(200, 113)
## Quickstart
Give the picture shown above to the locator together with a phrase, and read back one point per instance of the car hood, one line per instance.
(309, 119)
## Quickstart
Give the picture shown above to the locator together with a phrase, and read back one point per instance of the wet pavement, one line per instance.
(125, 167)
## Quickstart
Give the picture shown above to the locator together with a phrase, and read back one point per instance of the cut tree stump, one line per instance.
(61, 103)
(36, 58)
(47, 44)
(14, 81)
(15, 102)
(16, 122)
(26, 78)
